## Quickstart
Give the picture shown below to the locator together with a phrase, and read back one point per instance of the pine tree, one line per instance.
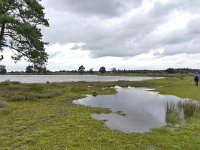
(102, 69)
(19, 30)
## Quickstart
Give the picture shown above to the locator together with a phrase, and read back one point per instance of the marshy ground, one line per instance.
(42, 116)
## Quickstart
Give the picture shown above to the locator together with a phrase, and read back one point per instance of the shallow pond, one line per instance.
(69, 78)
(137, 109)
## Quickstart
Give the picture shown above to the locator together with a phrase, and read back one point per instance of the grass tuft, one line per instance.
(172, 113)
(190, 108)
(2, 104)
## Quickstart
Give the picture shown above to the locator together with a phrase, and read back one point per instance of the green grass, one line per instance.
(182, 87)
(42, 116)
(172, 114)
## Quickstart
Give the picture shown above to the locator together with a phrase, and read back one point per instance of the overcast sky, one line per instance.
(126, 34)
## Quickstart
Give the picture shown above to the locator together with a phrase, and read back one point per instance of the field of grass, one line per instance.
(43, 117)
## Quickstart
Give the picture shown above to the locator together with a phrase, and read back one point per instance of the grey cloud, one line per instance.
(178, 41)
(175, 37)
(102, 8)
(76, 47)
(163, 9)
(190, 47)
(130, 37)
(124, 39)
(194, 26)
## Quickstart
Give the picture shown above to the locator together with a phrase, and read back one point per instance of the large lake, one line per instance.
(68, 78)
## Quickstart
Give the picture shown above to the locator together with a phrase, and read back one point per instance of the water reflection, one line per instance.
(137, 109)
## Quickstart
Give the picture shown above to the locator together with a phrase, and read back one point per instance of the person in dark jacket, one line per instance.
(196, 78)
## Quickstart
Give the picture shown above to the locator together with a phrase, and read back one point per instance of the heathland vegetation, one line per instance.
(42, 116)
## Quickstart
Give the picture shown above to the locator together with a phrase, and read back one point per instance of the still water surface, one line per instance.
(133, 109)
(68, 78)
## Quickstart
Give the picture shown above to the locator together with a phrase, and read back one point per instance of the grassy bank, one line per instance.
(42, 116)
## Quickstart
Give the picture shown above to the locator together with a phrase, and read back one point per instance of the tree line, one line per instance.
(114, 70)
(31, 69)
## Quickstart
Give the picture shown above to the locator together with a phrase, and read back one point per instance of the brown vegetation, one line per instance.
(2, 104)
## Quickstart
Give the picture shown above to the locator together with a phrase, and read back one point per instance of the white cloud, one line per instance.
(72, 59)
(10, 64)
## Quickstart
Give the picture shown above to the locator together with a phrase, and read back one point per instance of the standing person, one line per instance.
(196, 78)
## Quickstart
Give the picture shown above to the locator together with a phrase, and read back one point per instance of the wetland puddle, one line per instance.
(140, 110)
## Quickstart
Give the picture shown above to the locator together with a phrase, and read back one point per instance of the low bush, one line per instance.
(2, 104)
